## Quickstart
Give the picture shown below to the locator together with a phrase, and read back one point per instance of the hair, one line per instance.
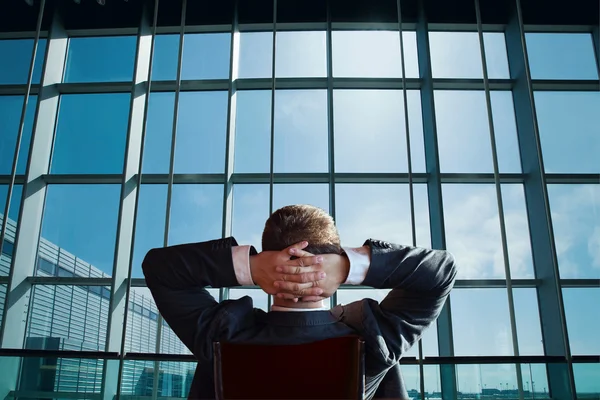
(295, 223)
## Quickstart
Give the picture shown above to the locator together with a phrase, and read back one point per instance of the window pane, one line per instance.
(8, 248)
(166, 52)
(373, 54)
(496, 379)
(256, 55)
(301, 120)
(259, 298)
(174, 377)
(455, 55)
(473, 230)
(196, 213)
(516, 224)
(583, 323)
(313, 194)
(67, 317)
(505, 131)
(250, 211)
(569, 130)
(201, 127)
(480, 322)
(535, 381)
(527, 315)
(495, 55)
(375, 211)
(206, 56)
(100, 59)
(2, 299)
(79, 228)
(253, 131)
(411, 376)
(87, 142)
(150, 224)
(575, 211)
(300, 54)
(431, 376)
(587, 384)
(10, 118)
(561, 56)
(159, 133)
(18, 51)
(421, 216)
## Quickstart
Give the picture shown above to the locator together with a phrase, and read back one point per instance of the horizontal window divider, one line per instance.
(573, 178)
(470, 84)
(34, 394)
(481, 178)
(126, 31)
(284, 26)
(530, 28)
(456, 27)
(18, 90)
(402, 177)
(566, 85)
(82, 179)
(87, 354)
(495, 360)
(159, 357)
(495, 283)
(94, 87)
(586, 359)
(574, 283)
(204, 85)
(67, 280)
(183, 178)
(375, 83)
(22, 35)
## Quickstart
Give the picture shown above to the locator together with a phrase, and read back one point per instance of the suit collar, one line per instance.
(286, 318)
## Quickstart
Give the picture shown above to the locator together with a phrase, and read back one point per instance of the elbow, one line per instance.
(150, 261)
(450, 269)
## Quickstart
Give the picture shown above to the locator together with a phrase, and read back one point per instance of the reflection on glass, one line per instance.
(259, 298)
(314, 194)
(561, 56)
(10, 115)
(159, 128)
(378, 211)
(373, 54)
(201, 127)
(100, 59)
(253, 131)
(206, 56)
(87, 142)
(587, 384)
(149, 225)
(480, 322)
(583, 323)
(575, 211)
(300, 54)
(256, 55)
(517, 232)
(79, 229)
(535, 381)
(8, 246)
(481, 378)
(364, 119)
(67, 317)
(473, 230)
(569, 131)
(301, 141)
(19, 51)
(174, 378)
(166, 52)
(250, 211)
(196, 213)
(527, 315)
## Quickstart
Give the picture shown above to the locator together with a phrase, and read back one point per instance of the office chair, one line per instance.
(327, 369)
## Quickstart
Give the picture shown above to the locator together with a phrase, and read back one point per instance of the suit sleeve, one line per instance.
(177, 277)
(420, 279)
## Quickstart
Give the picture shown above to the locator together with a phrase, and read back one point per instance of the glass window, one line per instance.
(583, 323)
(535, 381)
(159, 133)
(250, 211)
(206, 56)
(166, 53)
(46, 266)
(475, 379)
(480, 322)
(422, 229)
(300, 54)
(527, 315)
(19, 51)
(411, 376)
(149, 225)
(2, 300)
(66, 317)
(301, 123)
(175, 378)
(364, 119)
(10, 118)
(433, 384)
(374, 54)
(495, 55)
(473, 230)
(87, 141)
(378, 211)
(587, 384)
(313, 194)
(505, 131)
(253, 131)
(196, 213)
(575, 211)
(101, 59)
(561, 56)
(201, 128)
(516, 224)
(259, 298)
(11, 226)
(79, 228)
(256, 55)
(569, 130)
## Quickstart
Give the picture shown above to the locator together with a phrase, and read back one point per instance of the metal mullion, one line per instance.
(367, 26)
(129, 31)
(572, 85)
(11, 90)
(20, 132)
(63, 280)
(284, 26)
(530, 28)
(579, 283)
(499, 201)
(87, 179)
(94, 87)
(22, 35)
(440, 27)
(566, 179)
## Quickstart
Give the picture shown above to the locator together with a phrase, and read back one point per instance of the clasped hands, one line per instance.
(295, 274)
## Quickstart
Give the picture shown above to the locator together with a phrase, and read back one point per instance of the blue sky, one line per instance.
(92, 129)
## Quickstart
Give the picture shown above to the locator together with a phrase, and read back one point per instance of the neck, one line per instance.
(290, 304)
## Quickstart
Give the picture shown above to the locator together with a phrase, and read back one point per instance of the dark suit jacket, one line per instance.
(420, 278)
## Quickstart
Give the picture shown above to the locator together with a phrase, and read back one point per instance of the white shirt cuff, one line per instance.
(241, 264)
(359, 265)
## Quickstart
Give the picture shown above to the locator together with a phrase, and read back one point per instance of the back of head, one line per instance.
(295, 223)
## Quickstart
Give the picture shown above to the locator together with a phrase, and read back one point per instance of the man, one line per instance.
(302, 263)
